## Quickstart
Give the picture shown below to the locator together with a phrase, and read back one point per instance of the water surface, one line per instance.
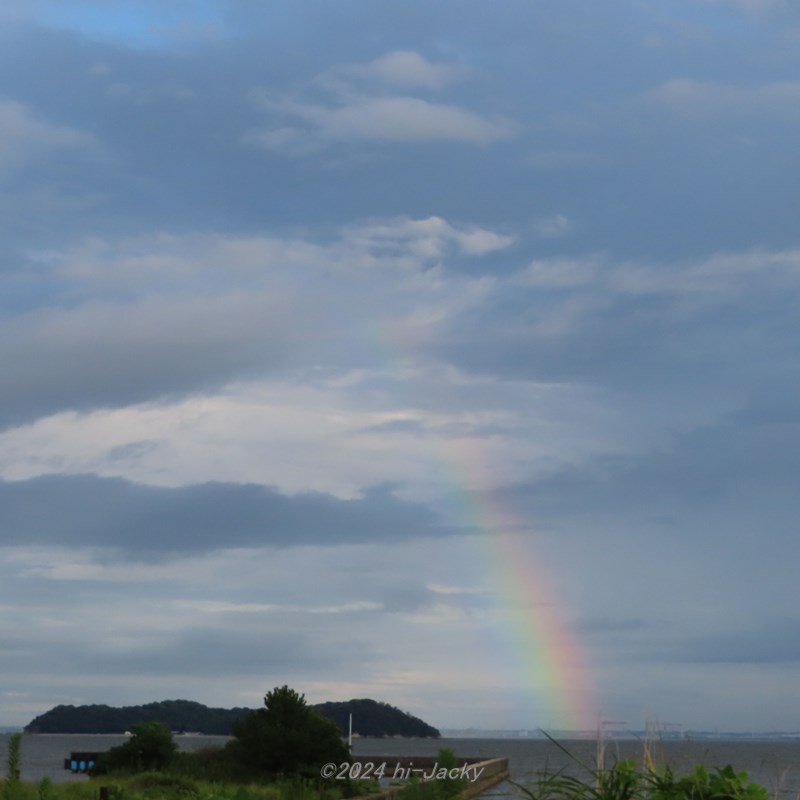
(774, 764)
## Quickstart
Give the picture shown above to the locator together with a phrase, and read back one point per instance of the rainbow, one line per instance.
(553, 668)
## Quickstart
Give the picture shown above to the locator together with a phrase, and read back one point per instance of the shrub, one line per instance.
(45, 789)
(150, 748)
(287, 737)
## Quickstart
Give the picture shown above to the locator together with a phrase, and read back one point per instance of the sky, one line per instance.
(442, 353)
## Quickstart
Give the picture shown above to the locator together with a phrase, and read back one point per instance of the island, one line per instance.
(370, 718)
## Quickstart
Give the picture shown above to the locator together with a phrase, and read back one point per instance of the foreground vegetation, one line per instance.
(277, 752)
(165, 786)
(626, 780)
(442, 789)
(285, 740)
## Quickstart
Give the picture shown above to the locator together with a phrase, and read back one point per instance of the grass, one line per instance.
(165, 786)
(437, 789)
(623, 780)
(627, 780)
(204, 775)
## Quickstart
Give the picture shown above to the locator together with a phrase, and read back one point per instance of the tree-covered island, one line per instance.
(370, 718)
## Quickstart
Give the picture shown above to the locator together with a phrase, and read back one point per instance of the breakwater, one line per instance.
(480, 774)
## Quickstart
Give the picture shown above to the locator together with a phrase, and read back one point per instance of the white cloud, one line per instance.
(391, 119)
(428, 239)
(225, 607)
(333, 430)
(408, 70)
(179, 314)
(387, 301)
(719, 273)
(478, 242)
(164, 264)
(233, 318)
(409, 119)
(438, 588)
(355, 109)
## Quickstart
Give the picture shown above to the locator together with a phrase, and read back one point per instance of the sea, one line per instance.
(774, 763)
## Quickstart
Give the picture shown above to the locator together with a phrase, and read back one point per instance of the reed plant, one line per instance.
(628, 780)
(11, 784)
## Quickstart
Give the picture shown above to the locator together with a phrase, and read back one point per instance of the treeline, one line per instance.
(176, 715)
(370, 718)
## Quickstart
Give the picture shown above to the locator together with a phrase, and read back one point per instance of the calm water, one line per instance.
(43, 754)
(774, 764)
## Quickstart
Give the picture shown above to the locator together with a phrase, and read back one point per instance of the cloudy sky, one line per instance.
(444, 353)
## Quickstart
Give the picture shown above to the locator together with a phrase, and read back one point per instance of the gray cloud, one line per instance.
(212, 652)
(719, 467)
(772, 641)
(138, 320)
(702, 100)
(87, 511)
(403, 426)
(602, 626)
(637, 327)
(107, 355)
(23, 137)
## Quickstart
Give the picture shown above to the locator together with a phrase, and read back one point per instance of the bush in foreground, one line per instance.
(626, 781)
(287, 737)
(150, 748)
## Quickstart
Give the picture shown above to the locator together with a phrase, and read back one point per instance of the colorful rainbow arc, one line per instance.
(553, 665)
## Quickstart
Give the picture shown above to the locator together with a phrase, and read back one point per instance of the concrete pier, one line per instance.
(491, 771)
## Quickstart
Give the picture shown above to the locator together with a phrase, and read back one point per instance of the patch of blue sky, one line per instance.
(135, 24)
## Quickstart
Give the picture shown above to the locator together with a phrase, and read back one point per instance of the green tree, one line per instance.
(150, 748)
(287, 737)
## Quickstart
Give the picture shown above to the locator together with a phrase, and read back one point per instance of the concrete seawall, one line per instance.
(494, 770)
(490, 772)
